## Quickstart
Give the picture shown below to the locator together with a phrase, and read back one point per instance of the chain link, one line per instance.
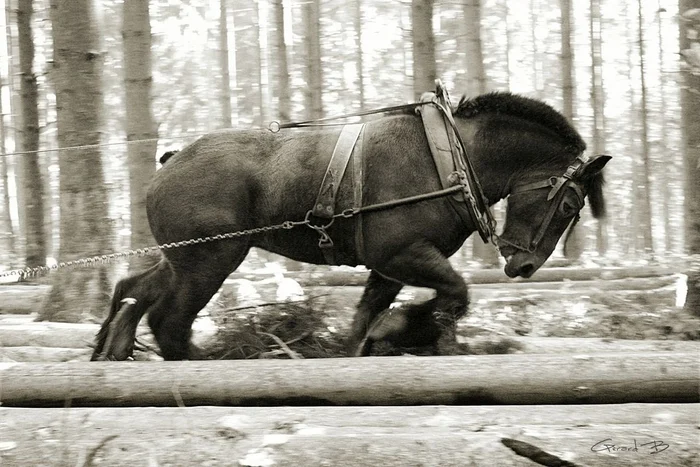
(139, 252)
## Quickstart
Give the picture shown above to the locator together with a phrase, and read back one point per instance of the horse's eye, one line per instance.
(567, 208)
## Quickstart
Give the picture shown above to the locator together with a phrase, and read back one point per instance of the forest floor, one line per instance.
(316, 325)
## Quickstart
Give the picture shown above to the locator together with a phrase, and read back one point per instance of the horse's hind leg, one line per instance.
(422, 265)
(196, 278)
(131, 299)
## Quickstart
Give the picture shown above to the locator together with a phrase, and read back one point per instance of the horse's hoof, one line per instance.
(364, 348)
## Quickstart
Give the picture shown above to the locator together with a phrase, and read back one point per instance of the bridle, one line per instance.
(557, 189)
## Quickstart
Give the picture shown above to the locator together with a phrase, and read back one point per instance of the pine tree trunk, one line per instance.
(136, 31)
(476, 75)
(598, 104)
(314, 74)
(576, 238)
(357, 24)
(567, 61)
(30, 180)
(284, 106)
(260, 31)
(643, 185)
(225, 87)
(246, 61)
(424, 67)
(690, 102)
(84, 226)
(7, 233)
(476, 84)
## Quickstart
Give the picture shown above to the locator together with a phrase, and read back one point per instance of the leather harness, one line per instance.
(457, 177)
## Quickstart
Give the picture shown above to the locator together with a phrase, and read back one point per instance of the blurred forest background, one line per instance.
(94, 91)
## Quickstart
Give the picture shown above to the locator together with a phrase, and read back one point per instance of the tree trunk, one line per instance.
(225, 87)
(30, 179)
(598, 104)
(314, 73)
(666, 177)
(567, 61)
(357, 24)
(262, 70)
(424, 67)
(84, 225)
(247, 61)
(476, 75)
(476, 84)
(7, 232)
(284, 106)
(140, 127)
(643, 182)
(690, 101)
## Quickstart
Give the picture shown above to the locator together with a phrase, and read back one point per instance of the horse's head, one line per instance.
(531, 153)
(540, 211)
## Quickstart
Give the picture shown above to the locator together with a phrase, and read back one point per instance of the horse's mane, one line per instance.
(506, 103)
(536, 111)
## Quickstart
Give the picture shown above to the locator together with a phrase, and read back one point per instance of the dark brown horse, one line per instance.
(230, 181)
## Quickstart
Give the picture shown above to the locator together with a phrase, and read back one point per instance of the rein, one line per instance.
(276, 126)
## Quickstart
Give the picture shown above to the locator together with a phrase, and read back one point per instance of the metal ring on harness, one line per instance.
(325, 240)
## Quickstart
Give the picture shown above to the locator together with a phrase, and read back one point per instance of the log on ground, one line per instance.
(573, 345)
(48, 334)
(347, 436)
(458, 380)
(341, 277)
(44, 354)
(24, 298)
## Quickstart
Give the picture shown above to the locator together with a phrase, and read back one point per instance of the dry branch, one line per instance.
(491, 379)
(311, 436)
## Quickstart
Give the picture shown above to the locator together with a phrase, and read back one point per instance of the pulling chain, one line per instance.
(139, 252)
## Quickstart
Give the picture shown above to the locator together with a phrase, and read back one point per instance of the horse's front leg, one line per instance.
(379, 293)
(430, 323)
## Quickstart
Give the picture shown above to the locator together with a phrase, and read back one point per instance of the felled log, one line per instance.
(22, 298)
(485, 379)
(574, 345)
(48, 334)
(44, 354)
(340, 277)
(348, 436)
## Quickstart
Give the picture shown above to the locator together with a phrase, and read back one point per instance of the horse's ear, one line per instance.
(593, 166)
(592, 177)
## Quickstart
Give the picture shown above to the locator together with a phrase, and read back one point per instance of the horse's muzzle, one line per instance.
(520, 264)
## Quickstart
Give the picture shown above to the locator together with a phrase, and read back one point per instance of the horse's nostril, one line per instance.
(527, 269)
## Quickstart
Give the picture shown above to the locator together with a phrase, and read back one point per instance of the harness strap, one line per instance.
(358, 173)
(453, 165)
(324, 207)
(325, 201)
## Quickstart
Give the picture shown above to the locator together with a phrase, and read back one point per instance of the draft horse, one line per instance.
(520, 149)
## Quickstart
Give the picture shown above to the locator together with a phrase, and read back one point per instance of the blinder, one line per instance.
(557, 189)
